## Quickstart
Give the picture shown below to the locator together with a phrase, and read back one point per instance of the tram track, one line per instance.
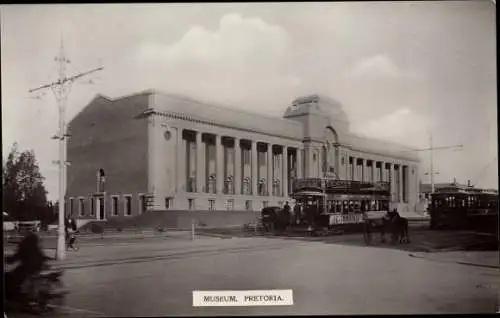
(169, 256)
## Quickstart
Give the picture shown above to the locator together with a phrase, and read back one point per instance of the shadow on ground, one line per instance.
(422, 239)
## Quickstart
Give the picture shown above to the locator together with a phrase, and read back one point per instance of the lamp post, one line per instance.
(61, 89)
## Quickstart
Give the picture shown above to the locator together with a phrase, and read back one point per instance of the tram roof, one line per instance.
(465, 192)
(309, 193)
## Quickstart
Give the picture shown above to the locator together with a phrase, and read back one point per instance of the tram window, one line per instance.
(366, 205)
(351, 206)
(357, 206)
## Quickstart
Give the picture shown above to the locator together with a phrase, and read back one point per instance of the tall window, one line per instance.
(246, 157)
(191, 166)
(248, 205)
(405, 178)
(211, 204)
(246, 186)
(229, 204)
(265, 204)
(212, 183)
(168, 203)
(351, 168)
(92, 206)
(81, 206)
(71, 202)
(128, 205)
(114, 206)
(397, 180)
(143, 203)
(191, 204)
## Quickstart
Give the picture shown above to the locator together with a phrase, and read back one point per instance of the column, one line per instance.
(401, 183)
(270, 169)
(299, 162)
(319, 161)
(200, 182)
(254, 167)
(237, 166)
(366, 171)
(219, 163)
(180, 161)
(285, 171)
(393, 182)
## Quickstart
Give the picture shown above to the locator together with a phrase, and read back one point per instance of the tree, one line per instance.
(50, 215)
(24, 195)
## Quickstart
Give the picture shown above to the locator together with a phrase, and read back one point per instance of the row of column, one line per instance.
(388, 172)
(202, 158)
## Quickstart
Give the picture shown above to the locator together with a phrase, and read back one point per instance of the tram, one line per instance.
(465, 208)
(335, 203)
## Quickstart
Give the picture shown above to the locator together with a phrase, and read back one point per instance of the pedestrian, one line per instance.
(287, 213)
(69, 228)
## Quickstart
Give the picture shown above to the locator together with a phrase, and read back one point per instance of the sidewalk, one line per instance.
(489, 259)
(415, 216)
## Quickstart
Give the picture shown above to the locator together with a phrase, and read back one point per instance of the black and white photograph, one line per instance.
(249, 159)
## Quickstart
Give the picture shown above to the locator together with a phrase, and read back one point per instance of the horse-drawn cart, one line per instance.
(394, 225)
(377, 221)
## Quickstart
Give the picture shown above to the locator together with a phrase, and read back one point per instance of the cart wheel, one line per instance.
(367, 235)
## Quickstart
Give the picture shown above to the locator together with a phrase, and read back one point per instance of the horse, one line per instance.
(401, 228)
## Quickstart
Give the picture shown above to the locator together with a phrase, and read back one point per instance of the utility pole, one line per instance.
(431, 149)
(61, 89)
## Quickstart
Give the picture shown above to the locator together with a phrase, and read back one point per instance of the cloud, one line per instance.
(244, 62)
(375, 66)
(376, 85)
(403, 126)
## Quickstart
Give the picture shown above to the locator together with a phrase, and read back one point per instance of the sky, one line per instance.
(402, 70)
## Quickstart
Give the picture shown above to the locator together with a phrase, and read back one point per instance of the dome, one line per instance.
(317, 104)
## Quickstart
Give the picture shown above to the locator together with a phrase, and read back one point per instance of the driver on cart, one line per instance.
(393, 215)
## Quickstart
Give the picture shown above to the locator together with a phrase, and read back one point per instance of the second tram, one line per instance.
(471, 208)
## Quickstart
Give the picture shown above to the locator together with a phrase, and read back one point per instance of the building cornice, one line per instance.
(194, 119)
(360, 149)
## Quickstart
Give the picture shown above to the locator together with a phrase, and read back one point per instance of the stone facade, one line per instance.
(187, 155)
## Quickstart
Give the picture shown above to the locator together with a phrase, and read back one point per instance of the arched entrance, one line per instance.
(329, 152)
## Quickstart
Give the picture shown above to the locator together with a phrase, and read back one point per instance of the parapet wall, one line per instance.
(208, 219)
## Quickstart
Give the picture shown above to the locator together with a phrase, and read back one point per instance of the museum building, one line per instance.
(157, 151)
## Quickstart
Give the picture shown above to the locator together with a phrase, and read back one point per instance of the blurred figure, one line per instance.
(31, 260)
(70, 230)
(287, 213)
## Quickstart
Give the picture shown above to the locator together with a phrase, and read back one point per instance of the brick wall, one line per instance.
(106, 134)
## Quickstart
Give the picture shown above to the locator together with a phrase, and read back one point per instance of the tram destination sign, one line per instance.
(339, 185)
